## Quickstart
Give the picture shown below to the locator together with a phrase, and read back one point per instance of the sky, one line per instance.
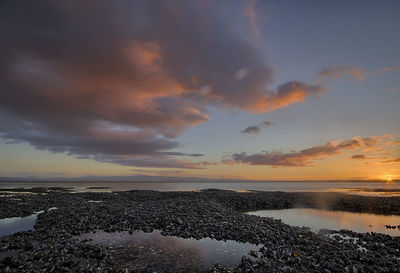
(250, 89)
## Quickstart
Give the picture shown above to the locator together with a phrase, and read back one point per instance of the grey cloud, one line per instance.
(255, 129)
(251, 130)
(102, 142)
(266, 123)
(118, 80)
(358, 157)
(182, 154)
(124, 148)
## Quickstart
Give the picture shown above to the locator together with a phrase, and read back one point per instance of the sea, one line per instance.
(373, 188)
(311, 218)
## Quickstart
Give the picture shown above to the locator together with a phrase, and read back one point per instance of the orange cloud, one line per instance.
(385, 69)
(393, 160)
(287, 94)
(338, 71)
(305, 156)
(89, 77)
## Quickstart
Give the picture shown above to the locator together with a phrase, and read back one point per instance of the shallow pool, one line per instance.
(144, 249)
(16, 224)
(319, 219)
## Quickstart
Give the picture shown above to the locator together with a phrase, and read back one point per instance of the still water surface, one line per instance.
(325, 219)
(201, 254)
(16, 224)
(353, 187)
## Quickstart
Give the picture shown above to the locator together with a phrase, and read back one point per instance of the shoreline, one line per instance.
(216, 214)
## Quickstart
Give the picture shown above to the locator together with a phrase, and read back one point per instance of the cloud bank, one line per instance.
(304, 157)
(393, 160)
(117, 81)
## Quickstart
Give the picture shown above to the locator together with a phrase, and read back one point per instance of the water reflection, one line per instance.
(336, 220)
(386, 192)
(156, 251)
(16, 224)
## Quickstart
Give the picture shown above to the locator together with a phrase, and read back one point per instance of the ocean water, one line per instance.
(378, 188)
(317, 219)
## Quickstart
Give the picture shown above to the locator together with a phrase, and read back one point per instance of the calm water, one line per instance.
(16, 224)
(354, 187)
(201, 253)
(336, 220)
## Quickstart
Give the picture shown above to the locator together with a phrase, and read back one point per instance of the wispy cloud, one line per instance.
(152, 172)
(338, 71)
(305, 156)
(151, 161)
(37, 174)
(353, 72)
(359, 157)
(266, 123)
(378, 72)
(393, 160)
(181, 154)
(250, 11)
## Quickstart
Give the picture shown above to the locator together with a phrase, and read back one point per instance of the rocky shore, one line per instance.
(53, 247)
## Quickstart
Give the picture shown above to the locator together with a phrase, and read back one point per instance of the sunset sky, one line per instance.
(263, 90)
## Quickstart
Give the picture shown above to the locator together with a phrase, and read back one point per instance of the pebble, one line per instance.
(51, 247)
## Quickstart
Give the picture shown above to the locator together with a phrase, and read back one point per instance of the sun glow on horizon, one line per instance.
(388, 178)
